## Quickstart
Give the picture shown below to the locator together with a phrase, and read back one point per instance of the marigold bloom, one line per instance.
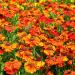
(9, 47)
(30, 67)
(50, 73)
(33, 66)
(12, 67)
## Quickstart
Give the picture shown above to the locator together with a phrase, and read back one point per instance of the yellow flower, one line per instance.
(49, 52)
(41, 1)
(65, 58)
(25, 55)
(46, 13)
(41, 44)
(40, 64)
(72, 6)
(20, 34)
(30, 67)
(8, 47)
(36, 4)
(14, 45)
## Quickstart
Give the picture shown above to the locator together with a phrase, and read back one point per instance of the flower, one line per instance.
(30, 67)
(1, 51)
(69, 72)
(50, 73)
(33, 66)
(11, 67)
(9, 47)
(26, 55)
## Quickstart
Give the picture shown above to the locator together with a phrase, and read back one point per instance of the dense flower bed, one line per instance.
(37, 37)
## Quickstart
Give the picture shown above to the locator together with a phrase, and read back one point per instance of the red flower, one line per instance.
(7, 15)
(54, 32)
(14, 0)
(25, 21)
(43, 18)
(67, 12)
(72, 23)
(71, 36)
(9, 29)
(34, 31)
(48, 21)
(22, 1)
(1, 51)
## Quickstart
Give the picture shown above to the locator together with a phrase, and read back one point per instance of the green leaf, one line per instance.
(59, 71)
(52, 15)
(66, 18)
(6, 56)
(4, 32)
(69, 28)
(40, 8)
(0, 58)
(39, 72)
(59, 29)
(60, 10)
(42, 25)
(49, 35)
(27, 28)
(59, 1)
(67, 1)
(14, 19)
(36, 51)
(31, 1)
(11, 37)
(74, 30)
(1, 68)
(24, 7)
(22, 70)
(53, 24)
(53, 0)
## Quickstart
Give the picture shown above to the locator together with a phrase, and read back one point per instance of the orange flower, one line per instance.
(12, 67)
(50, 73)
(30, 67)
(26, 55)
(69, 72)
(70, 62)
(9, 47)
(33, 66)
